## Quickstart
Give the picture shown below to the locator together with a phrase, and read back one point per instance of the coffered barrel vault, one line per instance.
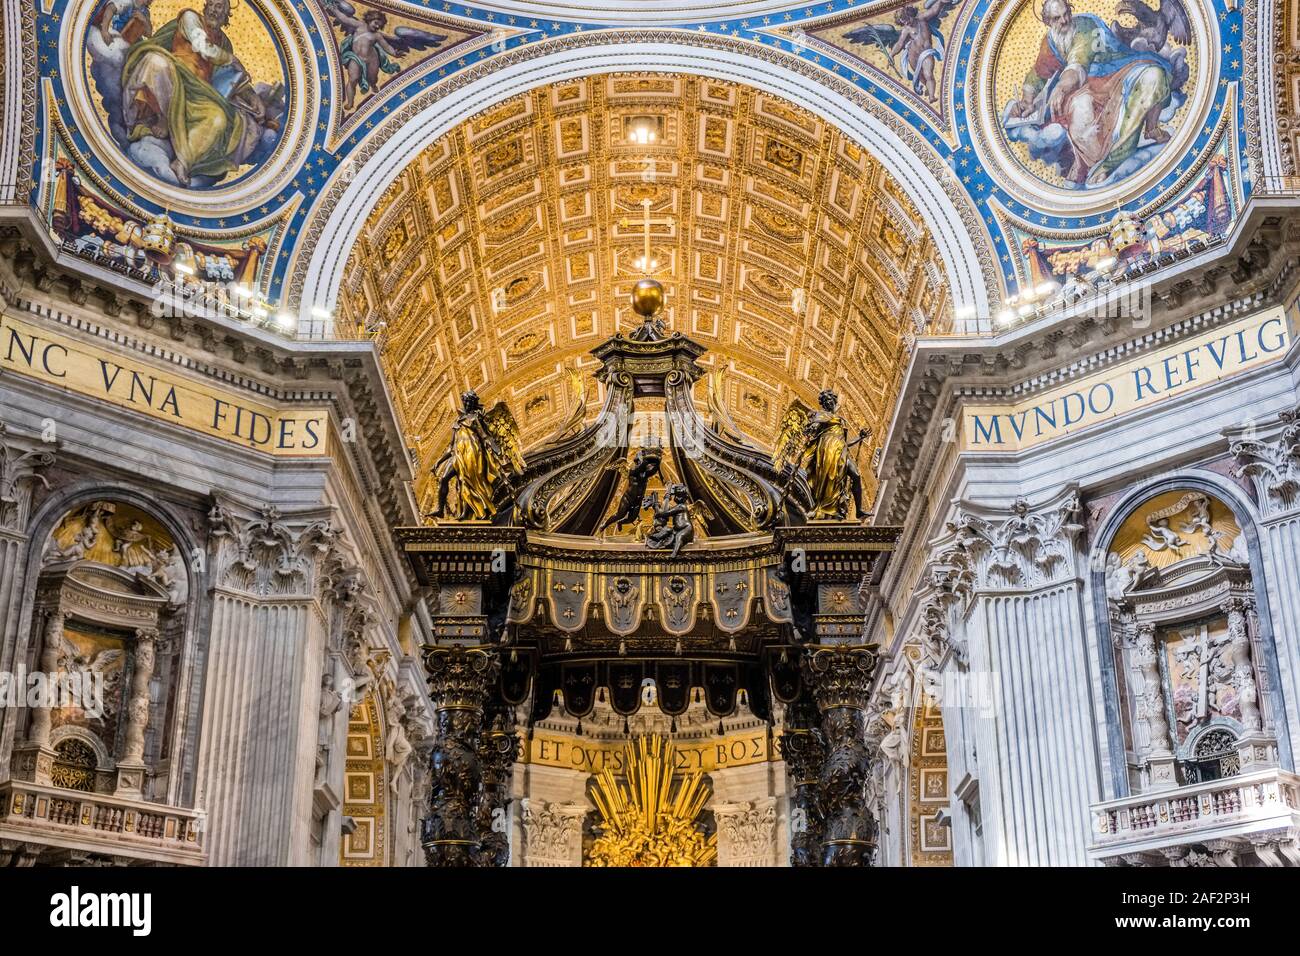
(506, 251)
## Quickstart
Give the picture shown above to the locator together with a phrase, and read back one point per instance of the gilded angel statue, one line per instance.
(483, 458)
(816, 442)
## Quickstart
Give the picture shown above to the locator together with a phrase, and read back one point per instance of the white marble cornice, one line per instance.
(1255, 270)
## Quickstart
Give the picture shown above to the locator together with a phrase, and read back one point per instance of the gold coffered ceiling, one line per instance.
(508, 248)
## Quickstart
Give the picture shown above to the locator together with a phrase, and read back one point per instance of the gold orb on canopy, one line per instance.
(647, 298)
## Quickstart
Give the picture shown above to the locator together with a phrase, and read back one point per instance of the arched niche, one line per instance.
(1188, 660)
(105, 629)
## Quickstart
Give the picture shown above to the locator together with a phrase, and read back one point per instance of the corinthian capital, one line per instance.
(1021, 546)
(1271, 460)
(460, 677)
(21, 462)
(840, 676)
(267, 552)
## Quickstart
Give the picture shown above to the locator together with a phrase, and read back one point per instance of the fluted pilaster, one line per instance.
(257, 762)
(1028, 650)
(1269, 457)
(22, 463)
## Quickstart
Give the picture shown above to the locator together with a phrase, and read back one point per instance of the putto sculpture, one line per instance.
(483, 458)
(645, 465)
(672, 528)
(817, 443)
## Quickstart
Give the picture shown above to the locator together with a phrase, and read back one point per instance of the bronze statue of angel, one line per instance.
(816, 442)
(673, 529)
(484, 459)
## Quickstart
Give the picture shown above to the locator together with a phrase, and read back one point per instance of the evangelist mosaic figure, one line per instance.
(179, 101)
(1098, 102)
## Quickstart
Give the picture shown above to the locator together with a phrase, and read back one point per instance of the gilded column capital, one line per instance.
(1270, 459)
(460, 677)
(840, 675)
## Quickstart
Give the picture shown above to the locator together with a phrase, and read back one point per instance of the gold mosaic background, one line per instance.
(506, 252)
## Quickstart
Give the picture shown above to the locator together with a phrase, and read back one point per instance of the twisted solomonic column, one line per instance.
(498, 749)
(840, 676)
(804, 752)
(460, 679)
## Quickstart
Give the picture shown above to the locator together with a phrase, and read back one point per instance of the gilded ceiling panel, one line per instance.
(508, 248)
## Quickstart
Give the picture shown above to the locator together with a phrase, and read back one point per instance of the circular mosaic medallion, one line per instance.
(1084, 103)
(192, 101)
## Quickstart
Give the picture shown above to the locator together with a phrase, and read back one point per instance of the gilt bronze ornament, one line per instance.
(672, 528)
(816, 444)
(482, 459)
(460, 679)
(731, 599)
(840, 677)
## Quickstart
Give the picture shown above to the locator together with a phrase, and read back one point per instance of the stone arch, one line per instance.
(1245, 514)
(349, 198)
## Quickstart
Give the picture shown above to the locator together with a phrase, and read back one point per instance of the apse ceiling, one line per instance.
(507, 250)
